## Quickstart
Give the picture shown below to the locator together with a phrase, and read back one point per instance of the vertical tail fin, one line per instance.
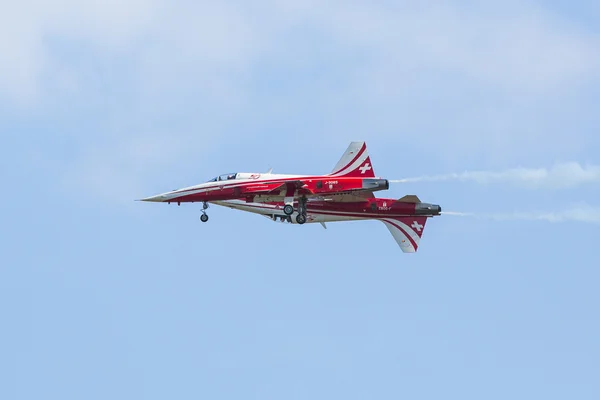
(407, 231)
(355, 162)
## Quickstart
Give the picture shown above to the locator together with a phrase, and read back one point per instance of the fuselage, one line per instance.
(331, 211)
(265, 187)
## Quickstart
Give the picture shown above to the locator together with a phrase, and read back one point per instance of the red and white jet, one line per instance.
(345, 194)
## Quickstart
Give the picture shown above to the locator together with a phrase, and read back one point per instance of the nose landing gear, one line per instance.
(204, 216)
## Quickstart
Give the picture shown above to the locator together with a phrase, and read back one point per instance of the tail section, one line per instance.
(355, 162)
(407, 231)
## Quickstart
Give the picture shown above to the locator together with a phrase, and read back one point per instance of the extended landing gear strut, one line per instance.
(204, 216)
(301, 217)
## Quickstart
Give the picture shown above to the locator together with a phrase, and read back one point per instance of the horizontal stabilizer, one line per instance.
(411, 198)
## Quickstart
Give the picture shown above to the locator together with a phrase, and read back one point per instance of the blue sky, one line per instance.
(102, 297)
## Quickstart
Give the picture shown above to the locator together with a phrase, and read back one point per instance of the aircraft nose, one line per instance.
(158, 198)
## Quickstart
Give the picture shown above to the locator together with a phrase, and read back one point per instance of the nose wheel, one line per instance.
(204, 216)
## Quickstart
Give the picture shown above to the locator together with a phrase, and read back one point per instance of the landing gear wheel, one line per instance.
(205, 205)
(204, 218)
(288, 209)
(300, 218)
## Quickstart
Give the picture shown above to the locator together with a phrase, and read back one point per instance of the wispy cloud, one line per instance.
(563, 175)
(27, 28)
(519, 46)
(581, 213)
(376, 70)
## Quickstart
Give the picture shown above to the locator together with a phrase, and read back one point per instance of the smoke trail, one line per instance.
(583, 213)
(459, 214)
(559, 176)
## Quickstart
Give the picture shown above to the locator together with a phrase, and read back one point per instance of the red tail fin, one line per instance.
(407, 231)
(355, 162)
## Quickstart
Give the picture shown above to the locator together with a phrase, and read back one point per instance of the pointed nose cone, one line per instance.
(157, 199)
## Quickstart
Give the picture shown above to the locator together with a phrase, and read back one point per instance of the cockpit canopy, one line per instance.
(224, 177)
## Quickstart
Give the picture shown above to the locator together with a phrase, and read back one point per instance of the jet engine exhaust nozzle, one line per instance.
(376, 184)
(427, 209)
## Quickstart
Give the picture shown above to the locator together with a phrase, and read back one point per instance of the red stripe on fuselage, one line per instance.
(211, 193)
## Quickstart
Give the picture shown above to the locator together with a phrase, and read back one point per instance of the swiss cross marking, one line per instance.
(365, 168)
(417, 226)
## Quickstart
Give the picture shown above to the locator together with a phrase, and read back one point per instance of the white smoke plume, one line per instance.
(582, 213)
(563, 175)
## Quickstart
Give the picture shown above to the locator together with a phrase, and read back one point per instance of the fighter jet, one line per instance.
(345, 194)
(405, 218)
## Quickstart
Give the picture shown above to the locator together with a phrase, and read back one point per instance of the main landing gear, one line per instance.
(204, 216)
(288, 209)
(301, 217)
